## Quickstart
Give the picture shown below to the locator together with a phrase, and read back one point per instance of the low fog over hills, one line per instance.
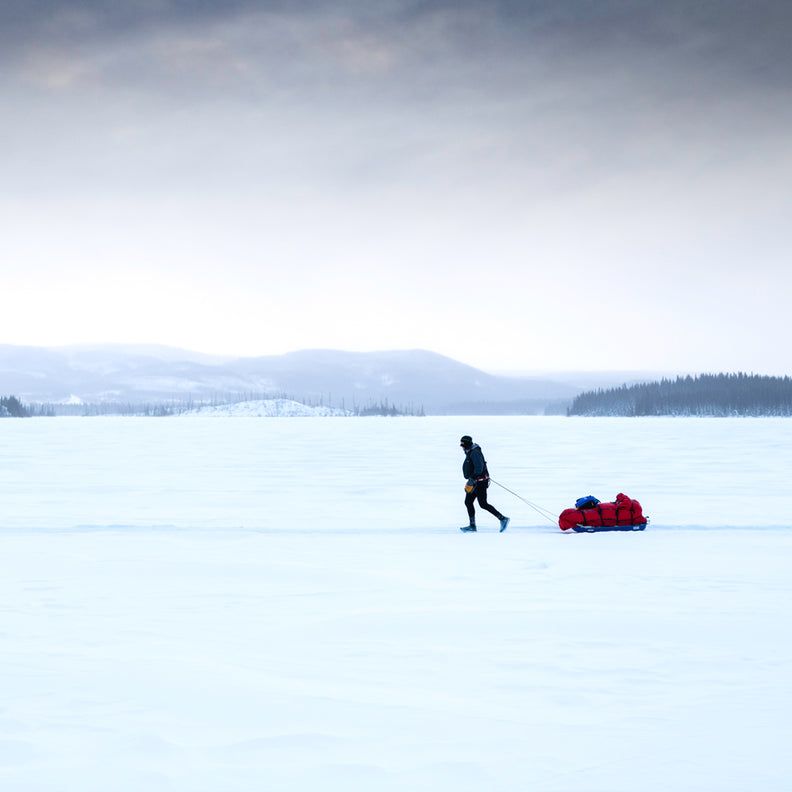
(416, 379)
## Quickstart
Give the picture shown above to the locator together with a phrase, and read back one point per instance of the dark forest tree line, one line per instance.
(706, 394)
(11, 407)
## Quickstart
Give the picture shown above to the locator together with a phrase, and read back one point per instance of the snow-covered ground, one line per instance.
(281, 604)
(264, 408)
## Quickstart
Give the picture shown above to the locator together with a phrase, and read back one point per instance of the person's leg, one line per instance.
(470, 498)
(481, 493)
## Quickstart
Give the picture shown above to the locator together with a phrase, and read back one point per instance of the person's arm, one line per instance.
(477, 460)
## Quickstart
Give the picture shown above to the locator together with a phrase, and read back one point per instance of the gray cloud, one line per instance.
(748, 41)
(530, 96)
(506, 67)
(571, 138)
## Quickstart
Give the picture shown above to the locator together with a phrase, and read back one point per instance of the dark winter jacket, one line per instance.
(475, 466)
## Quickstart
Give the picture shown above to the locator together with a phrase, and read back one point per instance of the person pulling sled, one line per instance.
(474, 469)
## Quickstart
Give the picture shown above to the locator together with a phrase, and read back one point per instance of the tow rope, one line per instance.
(548, 515)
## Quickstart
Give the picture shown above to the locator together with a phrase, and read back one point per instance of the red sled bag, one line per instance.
(622, 511)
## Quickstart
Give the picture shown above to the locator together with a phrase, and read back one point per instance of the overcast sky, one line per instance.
(546, 184)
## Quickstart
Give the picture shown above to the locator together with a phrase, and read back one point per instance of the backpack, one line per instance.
(587, 502)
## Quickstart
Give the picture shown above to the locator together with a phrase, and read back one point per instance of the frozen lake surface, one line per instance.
(376, 474)
(218, 604)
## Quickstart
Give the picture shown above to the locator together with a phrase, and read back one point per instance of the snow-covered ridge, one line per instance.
(411, 380)
(265, 408)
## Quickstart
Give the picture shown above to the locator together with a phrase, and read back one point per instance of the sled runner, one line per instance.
(599, 528)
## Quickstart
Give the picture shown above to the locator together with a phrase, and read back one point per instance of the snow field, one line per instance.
(288, 605)
(384, 474)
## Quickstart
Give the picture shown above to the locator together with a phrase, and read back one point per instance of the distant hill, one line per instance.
(707, 394)
(414, 379)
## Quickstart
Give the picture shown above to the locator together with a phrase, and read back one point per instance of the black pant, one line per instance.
(479, 493)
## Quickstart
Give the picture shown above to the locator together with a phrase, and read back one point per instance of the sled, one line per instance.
(590, 515)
